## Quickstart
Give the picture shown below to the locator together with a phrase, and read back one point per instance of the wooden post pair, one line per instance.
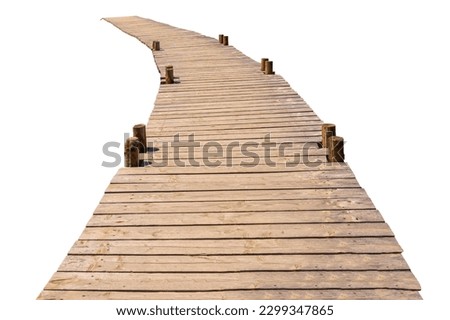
(135, 145)
(223, 39)
(334, 143)
(267, 66)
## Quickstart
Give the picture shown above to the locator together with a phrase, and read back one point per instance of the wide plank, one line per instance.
(238, 246)
(278, 166)
(235, 206)
(234, 281)
(325, 230)
(139, 193)
(291, 294)
(211, 218)
(232, 263)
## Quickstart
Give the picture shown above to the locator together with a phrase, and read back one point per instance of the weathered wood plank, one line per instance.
(199, 122)
(237, 246)
(260, 168)
(240, 162)
(139, 193)
(229, 126)
(236, 263)
(292, 294)
(235, 206)
(273, 132)
(211, 218)
(216, 218)
(247, 147)
(244, 179)
(234, 281)
(325, 230)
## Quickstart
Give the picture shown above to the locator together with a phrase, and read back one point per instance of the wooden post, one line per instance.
(155, 46)
(328, 130)
(225, 40)
(268, 67)
(335, 149)
(221, 38)
(263, 64)
(139, 132)
(132, 152)
(169, 75)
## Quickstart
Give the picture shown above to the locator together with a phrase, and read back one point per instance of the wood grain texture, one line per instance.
(339, 294)
(238, 246)
(204, 281)
(273, 221)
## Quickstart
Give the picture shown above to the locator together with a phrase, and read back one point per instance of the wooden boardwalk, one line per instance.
(235, 214)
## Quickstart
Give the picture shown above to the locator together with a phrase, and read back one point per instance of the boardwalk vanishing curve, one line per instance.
(246, 208)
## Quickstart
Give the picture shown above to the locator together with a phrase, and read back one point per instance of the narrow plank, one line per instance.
(324, 230)
(234, 281)
(238, 263)
(256, 112)
(235, 206)
(180, 183)
(260, 168)
(231, 126)
(367, 294)
(237, 117)
(253, 109)
(240, 246)
(256, 131)
(139, 193)
(239, 162)
(250, 146)
(219, 121)
(216, 218)
(246, 179)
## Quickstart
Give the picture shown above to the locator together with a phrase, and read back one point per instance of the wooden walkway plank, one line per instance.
(368, 245)
(235, 263)
(335, 230)
(233, 206)
(241, 218)
(204, 281)
(361, 294)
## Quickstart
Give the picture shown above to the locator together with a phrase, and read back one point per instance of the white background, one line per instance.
(379, 70)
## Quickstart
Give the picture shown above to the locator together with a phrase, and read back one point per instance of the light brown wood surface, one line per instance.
(274, 229)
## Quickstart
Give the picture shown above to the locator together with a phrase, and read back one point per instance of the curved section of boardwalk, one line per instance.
(239, 201)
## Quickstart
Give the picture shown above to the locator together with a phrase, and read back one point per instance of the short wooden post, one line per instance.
(169, 75)
(225, 40)
(132, 152)
(328, 130)
(139, 132)
(335, 149)
(221, 38)
(156, 46)
(268, 67)
(263, 64)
